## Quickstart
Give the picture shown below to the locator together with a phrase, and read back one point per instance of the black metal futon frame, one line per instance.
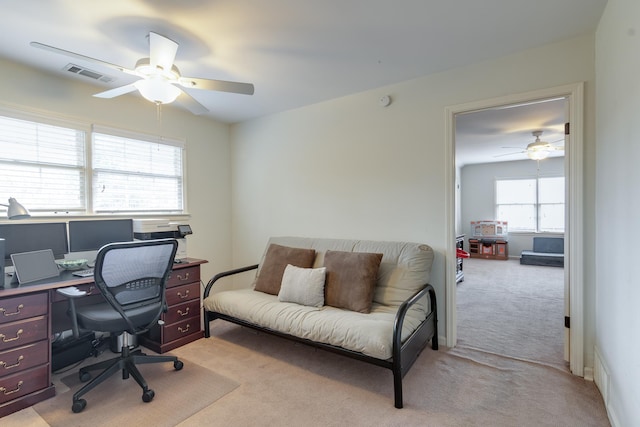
(404, 353)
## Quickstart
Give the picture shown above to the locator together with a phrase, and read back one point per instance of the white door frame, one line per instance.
(574, 256)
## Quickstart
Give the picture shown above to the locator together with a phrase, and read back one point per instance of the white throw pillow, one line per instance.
(303, 286)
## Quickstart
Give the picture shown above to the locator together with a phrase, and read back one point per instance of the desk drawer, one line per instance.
(23, 307)
(23, 383)
(181, 329)
(183, 311)
(184, 275)
(23, 332)
(179, 294)
(25, 357)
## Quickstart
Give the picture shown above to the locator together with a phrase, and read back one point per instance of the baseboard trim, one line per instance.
(603, 382)
(588, 374)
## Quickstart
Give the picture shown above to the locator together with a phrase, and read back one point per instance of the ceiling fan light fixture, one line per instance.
(157, 90)
(537, 152)
(538, 155)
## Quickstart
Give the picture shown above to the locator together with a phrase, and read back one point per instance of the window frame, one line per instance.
(537, 205)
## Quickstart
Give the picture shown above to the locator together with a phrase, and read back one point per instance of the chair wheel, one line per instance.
(177, 365)
(78, 405)
(84, 376)
(147, 396)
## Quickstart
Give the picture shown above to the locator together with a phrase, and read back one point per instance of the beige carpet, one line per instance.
(512, 310)
(287, 384)
(178, 395)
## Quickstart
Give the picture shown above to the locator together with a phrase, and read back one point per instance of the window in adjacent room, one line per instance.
(532, 204)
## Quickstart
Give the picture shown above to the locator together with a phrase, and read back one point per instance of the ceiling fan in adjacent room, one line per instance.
(538, 150)
(160, 80)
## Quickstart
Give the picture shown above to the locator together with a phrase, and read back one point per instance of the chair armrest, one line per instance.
(218, 276)
(72, 293)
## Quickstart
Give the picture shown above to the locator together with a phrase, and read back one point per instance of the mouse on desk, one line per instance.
(177, 261)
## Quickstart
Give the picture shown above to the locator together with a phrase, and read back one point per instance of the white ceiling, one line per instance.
(295, 52)
(502, 134)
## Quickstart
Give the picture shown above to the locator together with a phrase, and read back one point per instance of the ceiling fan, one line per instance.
(160, 80)
(538, 150)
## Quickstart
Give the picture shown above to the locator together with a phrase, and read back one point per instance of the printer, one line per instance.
(157, 228)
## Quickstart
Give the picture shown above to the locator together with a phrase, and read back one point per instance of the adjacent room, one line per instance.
(299, 184)
(511, 183)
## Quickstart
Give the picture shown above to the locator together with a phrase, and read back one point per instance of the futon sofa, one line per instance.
(547, 251)
(368, 300)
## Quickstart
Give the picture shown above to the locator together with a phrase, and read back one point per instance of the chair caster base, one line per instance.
(147, 395)
(78, 405)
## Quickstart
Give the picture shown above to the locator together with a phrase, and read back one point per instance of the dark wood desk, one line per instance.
(26, 325)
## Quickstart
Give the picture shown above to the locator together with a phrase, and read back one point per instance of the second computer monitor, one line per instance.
(93, 234)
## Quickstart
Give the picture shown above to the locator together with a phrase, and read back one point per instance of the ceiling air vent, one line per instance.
(76, 69)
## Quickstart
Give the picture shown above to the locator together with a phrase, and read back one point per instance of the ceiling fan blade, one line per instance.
(112, 93)
(219, 85)
(162, 51)
(191, 104)
(82, 57)
(510, 154)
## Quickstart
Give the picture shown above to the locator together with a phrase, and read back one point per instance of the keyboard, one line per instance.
(83, 273)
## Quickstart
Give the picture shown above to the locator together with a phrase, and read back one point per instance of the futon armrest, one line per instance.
(218, 276)
(402, 312)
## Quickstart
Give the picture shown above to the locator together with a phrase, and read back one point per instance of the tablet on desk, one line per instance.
(34, 265)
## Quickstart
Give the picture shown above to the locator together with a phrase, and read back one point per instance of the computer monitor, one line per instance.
(34, 237)
(91, 235)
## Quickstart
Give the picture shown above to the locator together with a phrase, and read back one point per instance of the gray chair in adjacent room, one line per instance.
(132, 278)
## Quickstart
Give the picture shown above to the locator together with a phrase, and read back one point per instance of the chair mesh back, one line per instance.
(134, 273)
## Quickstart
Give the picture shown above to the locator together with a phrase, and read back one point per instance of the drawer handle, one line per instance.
(186, 277)
(4, 337)
(186, 294)
(4, 364)
(5, 314)
(186, 312)
(8, 392)
(185, 330)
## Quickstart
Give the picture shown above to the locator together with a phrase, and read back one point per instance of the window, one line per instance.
(44, 165)
(136, 175)
(531, 204)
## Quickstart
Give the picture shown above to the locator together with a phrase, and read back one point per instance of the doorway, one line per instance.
(574, 194)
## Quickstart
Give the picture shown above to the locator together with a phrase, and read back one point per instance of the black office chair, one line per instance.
(132, 278)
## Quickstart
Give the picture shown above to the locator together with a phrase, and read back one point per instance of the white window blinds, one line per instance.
(42, 165)
(535, 205)
(136, 173)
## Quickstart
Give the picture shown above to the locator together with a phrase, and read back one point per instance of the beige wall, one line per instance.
(617, 206)
(351, 168)
(208, 151)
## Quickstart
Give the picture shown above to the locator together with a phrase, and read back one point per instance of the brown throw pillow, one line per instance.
(351, 279)
(276, 260)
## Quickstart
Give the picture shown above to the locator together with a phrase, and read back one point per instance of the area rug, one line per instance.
(178, 395)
